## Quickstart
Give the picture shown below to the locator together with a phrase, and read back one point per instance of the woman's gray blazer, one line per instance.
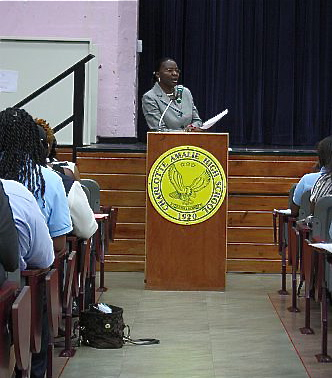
(177, 116)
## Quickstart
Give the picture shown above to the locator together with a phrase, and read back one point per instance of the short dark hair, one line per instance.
(158, 65)
(324, 150)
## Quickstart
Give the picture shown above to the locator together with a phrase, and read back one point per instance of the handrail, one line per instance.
(78, 100)
(54, 81)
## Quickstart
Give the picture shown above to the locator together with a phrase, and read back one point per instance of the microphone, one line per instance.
(179, 91)
(177, 98)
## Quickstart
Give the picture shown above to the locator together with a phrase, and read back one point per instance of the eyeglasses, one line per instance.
(171, 70)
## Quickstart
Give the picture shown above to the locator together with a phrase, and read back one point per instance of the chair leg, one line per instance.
(104, 246)
(283, 290)
(307, 262)
(102, 287)
(68, 351)
(307, 330)
(293, 307)
(323, 357)
(293, 252)
(92, 275)
(282, 251)
(50, 351)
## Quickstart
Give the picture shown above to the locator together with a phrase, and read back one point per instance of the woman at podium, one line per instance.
(169, 106)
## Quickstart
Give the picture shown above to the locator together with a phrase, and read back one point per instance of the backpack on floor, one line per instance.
(102, 330)
(106, 330)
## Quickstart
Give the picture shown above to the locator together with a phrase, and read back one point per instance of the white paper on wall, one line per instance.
(8, 81)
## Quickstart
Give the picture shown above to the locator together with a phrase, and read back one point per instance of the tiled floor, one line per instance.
(233, 334)
(306, 345)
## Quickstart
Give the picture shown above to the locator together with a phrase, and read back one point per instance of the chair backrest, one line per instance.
(322, 218)
(87, 193)
(94, 189)
(53, 301)
(305, 210)
(68, 289)
(21, 317)
(7, 297)
(35, 278)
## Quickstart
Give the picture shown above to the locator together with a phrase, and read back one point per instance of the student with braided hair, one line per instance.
(66, 167)
(9, 257)
(21, 159)
(83, 219)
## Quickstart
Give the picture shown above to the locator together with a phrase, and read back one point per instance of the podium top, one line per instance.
(185, 132)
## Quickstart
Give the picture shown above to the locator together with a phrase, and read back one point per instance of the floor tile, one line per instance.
(235, 334)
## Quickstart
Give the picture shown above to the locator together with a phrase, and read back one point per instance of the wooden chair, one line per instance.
(59, 266)
(293, 259)
(94, 193)
(106, 217)
(322, 218)
(316, 267)
(298, 231)
(74, 244)
(35, 279)
(7, 296)
(101, 238)
(67, 305)
(323, 253)
(303, 231)
(84, 271)
(86, 191)
(308, 258)
(281, 236)
(21, 321)
(53, 312)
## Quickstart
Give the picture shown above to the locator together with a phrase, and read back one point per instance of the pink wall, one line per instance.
(112, 26)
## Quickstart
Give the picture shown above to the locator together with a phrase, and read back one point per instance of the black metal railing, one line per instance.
(78, 101)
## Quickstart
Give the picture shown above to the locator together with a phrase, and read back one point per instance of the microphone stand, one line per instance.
(162, 116)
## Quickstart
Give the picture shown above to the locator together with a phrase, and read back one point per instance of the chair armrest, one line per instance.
(34, 272)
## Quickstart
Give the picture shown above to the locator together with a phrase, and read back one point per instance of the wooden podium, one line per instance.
(181, 256)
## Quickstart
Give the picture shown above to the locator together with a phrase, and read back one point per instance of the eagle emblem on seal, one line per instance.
(185, 193)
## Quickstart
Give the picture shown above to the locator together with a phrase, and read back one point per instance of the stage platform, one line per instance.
(259, 180)
(123, 146)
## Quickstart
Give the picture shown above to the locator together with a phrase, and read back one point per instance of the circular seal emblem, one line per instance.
(187, 185)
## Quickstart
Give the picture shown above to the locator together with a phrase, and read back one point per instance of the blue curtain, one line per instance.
(267, 61)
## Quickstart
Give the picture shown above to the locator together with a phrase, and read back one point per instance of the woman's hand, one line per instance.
(191, 128)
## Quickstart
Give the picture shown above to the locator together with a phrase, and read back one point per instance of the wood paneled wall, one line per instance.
(256, 185)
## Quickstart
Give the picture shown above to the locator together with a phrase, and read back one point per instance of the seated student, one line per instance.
(322, 187)
(66, 167)
(9, 258)
(324, 151)
(35, 245)
(83, 219)
(35, 248)
(21, 157)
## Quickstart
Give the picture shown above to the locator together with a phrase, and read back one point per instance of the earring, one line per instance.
(158, 79)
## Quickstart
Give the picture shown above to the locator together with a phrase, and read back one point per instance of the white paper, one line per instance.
(285, 211)
(326, 246)
(8, 81)
(210, 122)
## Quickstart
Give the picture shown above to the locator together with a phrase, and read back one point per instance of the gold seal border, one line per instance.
(156, 167)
